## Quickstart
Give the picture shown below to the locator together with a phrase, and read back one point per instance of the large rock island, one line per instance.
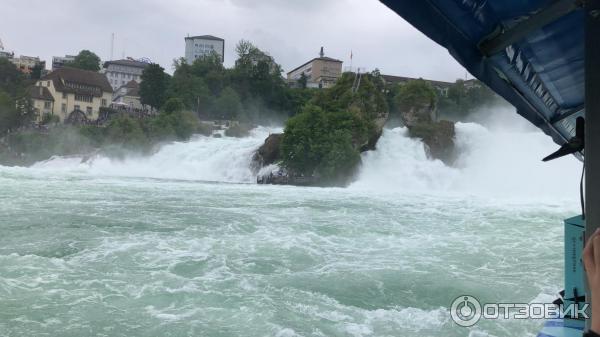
(321, 146)
(415, 104)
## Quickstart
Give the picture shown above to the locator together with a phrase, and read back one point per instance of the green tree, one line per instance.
(257, 77)
(462, 101)
(36, 71)
(322, 143)
(415, 93)
(228, 105)
(15, 105)
(173, 105)
(191, 88)
(9, 116)
(303, 81)
(174, 118)
(12, 80)
(153, 88)
(211, 70)
(85, 60)
(457, 92)
(127, 132)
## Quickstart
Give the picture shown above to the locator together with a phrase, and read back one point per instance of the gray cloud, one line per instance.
(291, 30)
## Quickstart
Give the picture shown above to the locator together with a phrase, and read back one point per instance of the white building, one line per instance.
(128, 96)
(60, 61)
(25, 64)
(121, 72)
(199, 46)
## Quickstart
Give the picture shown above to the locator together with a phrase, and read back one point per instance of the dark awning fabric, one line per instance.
(540, 73)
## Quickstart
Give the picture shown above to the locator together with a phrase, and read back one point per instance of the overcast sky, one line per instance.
(290, 30)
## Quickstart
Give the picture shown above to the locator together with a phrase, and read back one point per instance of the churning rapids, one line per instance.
(183, 243)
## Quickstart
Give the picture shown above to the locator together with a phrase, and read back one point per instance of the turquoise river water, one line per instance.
(182, 243)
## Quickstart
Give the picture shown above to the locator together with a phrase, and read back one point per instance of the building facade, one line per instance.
(320, 72)
(128, 96)
(60, 61)
(200, 46)
(25, 64)
(68, 90)
(121, 72)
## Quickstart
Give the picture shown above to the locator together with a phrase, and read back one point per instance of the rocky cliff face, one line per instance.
(379, 124)
(438, 136)
(269, 153)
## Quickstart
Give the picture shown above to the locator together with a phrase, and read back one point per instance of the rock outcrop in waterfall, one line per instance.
(415, 104)
(321, 145)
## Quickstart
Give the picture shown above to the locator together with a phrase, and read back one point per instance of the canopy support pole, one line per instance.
(592, 122)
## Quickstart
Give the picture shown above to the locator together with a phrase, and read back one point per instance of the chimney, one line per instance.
(41, 89)
(322, 53)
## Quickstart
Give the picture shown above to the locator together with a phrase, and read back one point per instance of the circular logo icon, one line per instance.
(465, 310)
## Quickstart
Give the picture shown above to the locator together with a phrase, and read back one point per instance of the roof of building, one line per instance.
(396, 79)
(132, 85)
(41, 93)
(128, 63)
(132, 89)
(77, 76)
(324, 58)
(204, 37)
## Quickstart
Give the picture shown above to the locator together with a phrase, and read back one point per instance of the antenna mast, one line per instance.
(112, 46)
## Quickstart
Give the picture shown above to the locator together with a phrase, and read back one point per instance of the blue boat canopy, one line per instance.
(531, 52)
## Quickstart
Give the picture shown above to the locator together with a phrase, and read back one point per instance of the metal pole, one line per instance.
(592, 120)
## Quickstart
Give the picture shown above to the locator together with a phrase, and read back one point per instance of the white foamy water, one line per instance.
(225, 159)
(501, 163)
(159, 246)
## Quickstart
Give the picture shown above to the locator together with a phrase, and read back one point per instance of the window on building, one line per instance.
(77, 107)
(48, 84)
(63, 108)
(84, 98)
(47, 105)
(64, 95)
(103, 102)
(88, 110)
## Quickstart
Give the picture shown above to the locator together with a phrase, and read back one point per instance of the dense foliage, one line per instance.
(414, 93)
(15, 107)
(462, 101)
(320, 143)
(253, 91)
(154, 86)
(85, 60)
(326, 138)
(122, 135)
